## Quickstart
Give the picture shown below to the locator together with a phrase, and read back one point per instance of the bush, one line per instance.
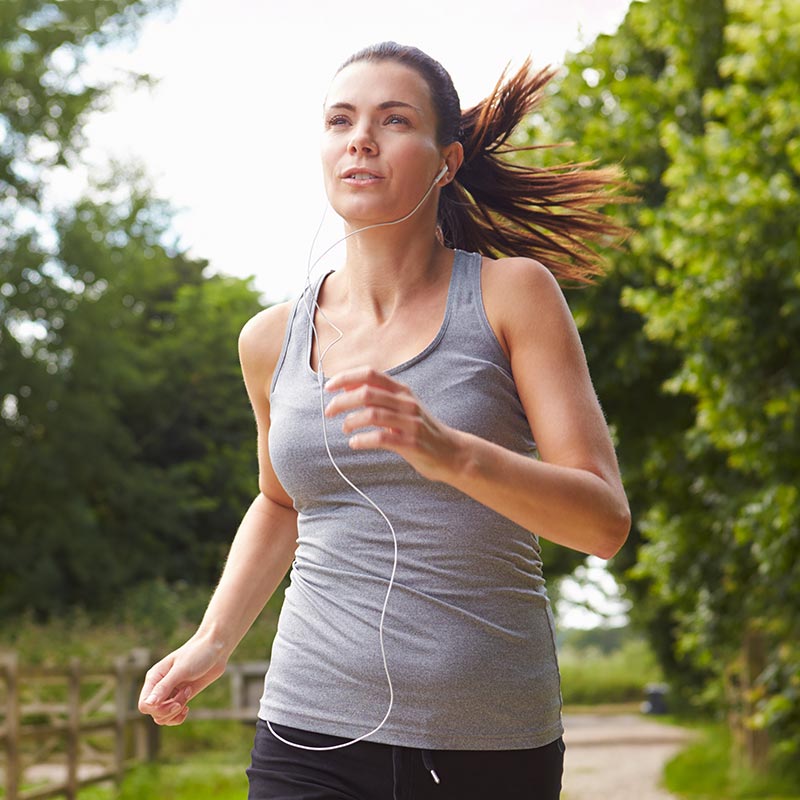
(154, 615)
(590, 676)
(707, 768)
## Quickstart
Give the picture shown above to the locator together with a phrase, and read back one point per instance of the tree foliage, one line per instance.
(693, 337)
(43, 97)
(126, 437)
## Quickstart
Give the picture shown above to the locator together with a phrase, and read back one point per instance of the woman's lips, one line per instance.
(362, 180)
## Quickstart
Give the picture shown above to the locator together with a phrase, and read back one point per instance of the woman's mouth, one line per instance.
(356, 177)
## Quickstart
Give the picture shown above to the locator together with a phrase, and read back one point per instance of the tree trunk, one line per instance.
(755, 740)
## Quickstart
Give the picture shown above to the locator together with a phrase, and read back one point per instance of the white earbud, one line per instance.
(441, 174)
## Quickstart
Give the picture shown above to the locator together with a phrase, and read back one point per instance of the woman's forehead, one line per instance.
(373, 83)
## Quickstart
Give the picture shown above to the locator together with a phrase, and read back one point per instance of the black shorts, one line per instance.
(371, 771)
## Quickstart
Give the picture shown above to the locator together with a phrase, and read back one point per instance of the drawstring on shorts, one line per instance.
(427, 760)
(403, 764)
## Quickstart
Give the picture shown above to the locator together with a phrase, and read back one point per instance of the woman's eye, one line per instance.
(396, 118)
(338, 120)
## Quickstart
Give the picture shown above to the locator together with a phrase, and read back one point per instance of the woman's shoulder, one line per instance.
(519, 274)
(261, 337)
(519, 294)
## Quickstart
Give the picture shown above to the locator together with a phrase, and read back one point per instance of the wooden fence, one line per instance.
(66, 728)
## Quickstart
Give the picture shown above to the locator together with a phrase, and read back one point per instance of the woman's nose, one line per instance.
(362, 141)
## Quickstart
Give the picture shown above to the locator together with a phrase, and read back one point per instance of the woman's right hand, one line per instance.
(178, 677)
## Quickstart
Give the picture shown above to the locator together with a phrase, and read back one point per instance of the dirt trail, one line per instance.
(617, 756)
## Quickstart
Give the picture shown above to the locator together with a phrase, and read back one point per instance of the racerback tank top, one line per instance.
(469, 632)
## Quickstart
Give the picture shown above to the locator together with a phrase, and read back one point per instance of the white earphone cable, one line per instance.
(308, 293)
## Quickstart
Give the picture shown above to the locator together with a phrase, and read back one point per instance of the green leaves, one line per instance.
(136, 454)
(693, 337)
(43, 97)
(126, 438)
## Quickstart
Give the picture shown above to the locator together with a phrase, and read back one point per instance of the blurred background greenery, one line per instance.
(120, 391)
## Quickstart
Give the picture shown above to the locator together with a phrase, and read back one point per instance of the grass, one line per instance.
(590, 676)
(191, 780)
(707, 770)
(198, 760)
(154, 615)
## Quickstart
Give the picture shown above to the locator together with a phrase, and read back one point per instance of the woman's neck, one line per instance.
(387, 267)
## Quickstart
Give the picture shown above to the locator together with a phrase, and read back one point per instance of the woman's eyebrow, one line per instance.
(381, 106)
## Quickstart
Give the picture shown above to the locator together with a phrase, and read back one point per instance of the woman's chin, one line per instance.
(358, 212)
(359, 215)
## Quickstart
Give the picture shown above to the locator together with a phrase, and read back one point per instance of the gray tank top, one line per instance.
(469, 632)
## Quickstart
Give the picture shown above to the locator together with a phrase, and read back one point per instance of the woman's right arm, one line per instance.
(260, 555)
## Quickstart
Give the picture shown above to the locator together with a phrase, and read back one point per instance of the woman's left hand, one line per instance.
(401, 423)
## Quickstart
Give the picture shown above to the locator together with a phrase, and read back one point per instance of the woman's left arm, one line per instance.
(573, 495)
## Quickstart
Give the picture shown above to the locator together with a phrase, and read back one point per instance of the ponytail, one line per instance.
(503, 208)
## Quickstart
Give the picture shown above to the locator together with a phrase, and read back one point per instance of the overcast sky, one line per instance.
(231, 134)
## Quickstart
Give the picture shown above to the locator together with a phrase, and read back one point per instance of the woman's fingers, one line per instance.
(378, 417)
(357, 376)
(362, 395)
(178, 718)
(395, 411)
(173, 710)
(164, 696)
(398, 420)
(378, 439)
(171, 714)
(156, 688)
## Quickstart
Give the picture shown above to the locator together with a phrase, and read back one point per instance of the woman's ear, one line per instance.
(453, 155)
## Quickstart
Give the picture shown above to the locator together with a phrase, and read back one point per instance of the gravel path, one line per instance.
(617, 756)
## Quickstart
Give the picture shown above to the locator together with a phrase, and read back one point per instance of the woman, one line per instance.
(415, 651)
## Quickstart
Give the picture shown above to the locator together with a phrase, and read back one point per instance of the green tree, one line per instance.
(44, 99)
(125, 432)
(731, 306)
(133, 458)
(691, 337)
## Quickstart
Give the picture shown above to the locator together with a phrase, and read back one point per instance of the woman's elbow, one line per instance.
(615, 534)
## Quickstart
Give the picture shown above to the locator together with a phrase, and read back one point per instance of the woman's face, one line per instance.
(379, 148)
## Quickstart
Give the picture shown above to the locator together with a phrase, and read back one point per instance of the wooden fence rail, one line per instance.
(52, 719)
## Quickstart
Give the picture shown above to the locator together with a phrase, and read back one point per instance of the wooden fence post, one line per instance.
(148, 733)
(11, 671)
(153, 740)
(121, 696)
(73, 727)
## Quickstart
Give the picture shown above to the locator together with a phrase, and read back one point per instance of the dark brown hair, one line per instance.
(501, 208)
